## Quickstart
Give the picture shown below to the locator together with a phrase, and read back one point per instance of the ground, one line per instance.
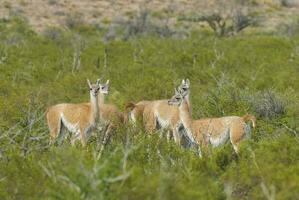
(47, 13)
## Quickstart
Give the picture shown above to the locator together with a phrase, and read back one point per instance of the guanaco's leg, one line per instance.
(176, 135)
(54, 124)
(149, 121)
(75, 136)
(237, 133)
(169, 135)
(106, 138)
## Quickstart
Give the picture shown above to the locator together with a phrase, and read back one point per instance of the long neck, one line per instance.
(101, 98)
(188, 102)
(94, 108)
(186, 118)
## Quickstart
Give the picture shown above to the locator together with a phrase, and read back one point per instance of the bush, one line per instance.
(288, 3)
(73, 21)
(267, 104)
(53, 33)
(224, 21)
(41, 72)
(289, 29)
(140, 25)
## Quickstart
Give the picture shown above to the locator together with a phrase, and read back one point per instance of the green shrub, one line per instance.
(228, 77)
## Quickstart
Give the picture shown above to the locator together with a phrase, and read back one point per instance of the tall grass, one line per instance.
(38, 70)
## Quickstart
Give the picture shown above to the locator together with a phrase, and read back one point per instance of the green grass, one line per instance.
(256, 74)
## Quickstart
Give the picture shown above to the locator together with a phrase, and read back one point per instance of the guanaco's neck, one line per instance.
(94, 108)
(186, 118)
(101, 98)
(188, 102)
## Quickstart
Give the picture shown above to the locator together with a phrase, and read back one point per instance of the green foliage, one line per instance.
(229, 76)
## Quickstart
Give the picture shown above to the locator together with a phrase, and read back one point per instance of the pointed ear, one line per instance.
(98, 81)
(89, 84)
(183, 81)
(107, 82)
(188, 82)
(176, 91)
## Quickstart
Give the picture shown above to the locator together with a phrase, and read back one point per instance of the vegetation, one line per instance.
(222, 26)
(255, 74)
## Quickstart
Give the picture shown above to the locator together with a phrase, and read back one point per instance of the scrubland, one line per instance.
(253, 73)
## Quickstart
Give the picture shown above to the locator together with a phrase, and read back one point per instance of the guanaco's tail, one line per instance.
(251, 118)
(128, 107)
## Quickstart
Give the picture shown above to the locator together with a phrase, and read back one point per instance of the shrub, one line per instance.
(289, 29)
(73, 21)
(52, 2)
(140, 25)
(224, 21)
(53, 33)
(288, 3)
(269, 105)
(39, 73)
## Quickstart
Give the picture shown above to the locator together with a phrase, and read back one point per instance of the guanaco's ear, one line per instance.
(98, 81)
(187, 81)
(107, 82)
(176, 91)
(89, 84)
(183, 81)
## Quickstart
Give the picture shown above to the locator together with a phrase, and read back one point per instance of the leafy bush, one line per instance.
(38, 72)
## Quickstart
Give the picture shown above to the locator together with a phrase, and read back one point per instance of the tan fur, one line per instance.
(81, 117)
(208, 129)
(109, 113)
(215, 131)
(159, 113)
(136, 110)
(74, 113)
(111, 118)
(251, 118)
(152, 112)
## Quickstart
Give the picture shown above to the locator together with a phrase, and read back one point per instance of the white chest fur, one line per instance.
(73, 128)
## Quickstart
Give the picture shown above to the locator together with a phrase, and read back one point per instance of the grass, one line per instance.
(37, 71)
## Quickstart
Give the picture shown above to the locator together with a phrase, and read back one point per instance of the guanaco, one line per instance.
(214, 131)
(79, 119)
(158, 115)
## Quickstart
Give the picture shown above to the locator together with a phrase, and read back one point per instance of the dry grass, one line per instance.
(44, 13)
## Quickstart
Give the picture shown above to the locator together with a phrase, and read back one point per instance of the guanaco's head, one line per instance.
(176, 99)
(104, 88)
(184, 88)
(93, 88)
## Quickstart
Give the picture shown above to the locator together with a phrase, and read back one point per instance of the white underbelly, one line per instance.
(73, 128)
(163, 123)
(219, 140)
